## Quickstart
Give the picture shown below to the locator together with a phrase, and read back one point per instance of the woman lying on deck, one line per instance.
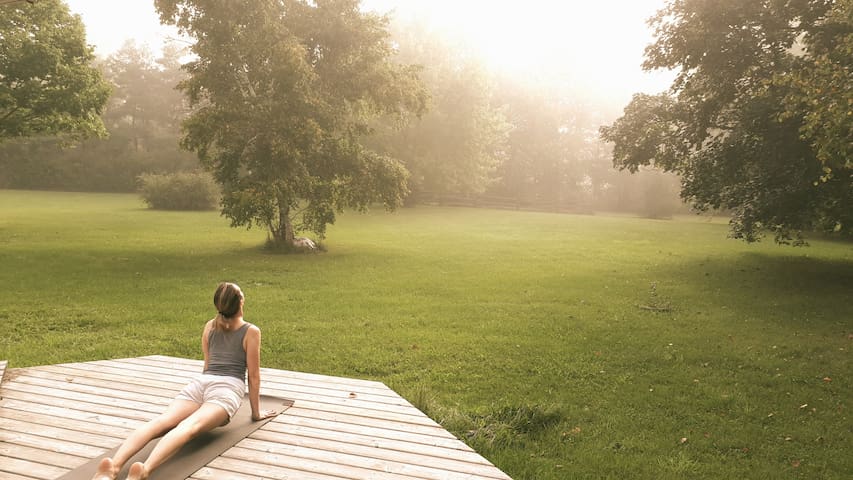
(231, 348)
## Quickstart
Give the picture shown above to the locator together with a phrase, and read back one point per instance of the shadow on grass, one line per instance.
(801, 275)
(805, 286)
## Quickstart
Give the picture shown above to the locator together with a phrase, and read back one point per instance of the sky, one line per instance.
(592, 47)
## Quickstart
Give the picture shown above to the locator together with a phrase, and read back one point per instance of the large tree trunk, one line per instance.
(288, 230)
(282, 234)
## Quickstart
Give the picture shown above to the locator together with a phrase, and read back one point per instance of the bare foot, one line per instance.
(137, 472)
(106, 470)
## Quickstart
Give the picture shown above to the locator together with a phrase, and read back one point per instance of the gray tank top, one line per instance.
(226, 355)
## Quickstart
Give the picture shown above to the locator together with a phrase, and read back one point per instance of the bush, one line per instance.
(497, 426)
(179, 191)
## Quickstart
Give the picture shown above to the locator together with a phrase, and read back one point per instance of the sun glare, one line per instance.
(590, 46)
(593, 47)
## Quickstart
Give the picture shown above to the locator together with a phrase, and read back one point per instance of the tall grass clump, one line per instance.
(494, 426)
(179, 191)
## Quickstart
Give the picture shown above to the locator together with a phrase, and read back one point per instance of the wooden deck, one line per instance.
(54, 418)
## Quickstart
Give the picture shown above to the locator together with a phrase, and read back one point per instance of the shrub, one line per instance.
(501, 426)
(179, 191)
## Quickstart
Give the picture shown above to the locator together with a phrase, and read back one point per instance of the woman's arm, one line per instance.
(204, 338)
(252, 344)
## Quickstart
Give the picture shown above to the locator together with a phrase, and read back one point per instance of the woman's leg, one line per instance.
(178, 410)
(206, 418)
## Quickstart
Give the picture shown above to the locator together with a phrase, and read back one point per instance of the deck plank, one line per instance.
(96, 378)
(238, 470)
(440, 465)
(12, 476)
(92, 410)
(372, 431)
(407, 443)
(51, 461)
(294, 456)
(85, 439)
(54, 445)
(11, 467)
(37, 415)
(55, 417)
(107, 400)
(301, 409)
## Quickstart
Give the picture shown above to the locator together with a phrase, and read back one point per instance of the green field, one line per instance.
(558, 346)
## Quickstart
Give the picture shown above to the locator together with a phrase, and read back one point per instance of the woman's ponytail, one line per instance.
(226, 299)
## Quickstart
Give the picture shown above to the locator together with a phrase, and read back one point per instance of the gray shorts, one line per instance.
(225, 391)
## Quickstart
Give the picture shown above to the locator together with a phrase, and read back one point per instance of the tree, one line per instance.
(283, 93)
(743, 123)
(47, 83)
(146, 110)
(145, 105)
(545, 147)
(822, 88)
(456, 146)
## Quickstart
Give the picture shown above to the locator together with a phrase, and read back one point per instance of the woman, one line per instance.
(231, 349)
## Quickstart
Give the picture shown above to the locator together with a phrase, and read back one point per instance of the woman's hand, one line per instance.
(264, 414)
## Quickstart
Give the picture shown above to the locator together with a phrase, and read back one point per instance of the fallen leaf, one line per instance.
(804, 406)
(795, 464)
(683, 440)
(827, 379)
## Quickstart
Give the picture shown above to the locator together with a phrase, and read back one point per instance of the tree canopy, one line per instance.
(48, 85)
(283, 94)
(758, 120)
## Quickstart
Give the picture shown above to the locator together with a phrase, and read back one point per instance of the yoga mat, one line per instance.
(198, 452)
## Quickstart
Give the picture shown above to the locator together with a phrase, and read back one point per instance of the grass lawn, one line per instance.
(558, 346)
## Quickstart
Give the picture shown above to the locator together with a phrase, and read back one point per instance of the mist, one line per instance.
(516, 100)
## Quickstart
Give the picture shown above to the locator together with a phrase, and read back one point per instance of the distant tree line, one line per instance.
(481, 136)
(142, 120)
(301, 109)
(493, 139)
